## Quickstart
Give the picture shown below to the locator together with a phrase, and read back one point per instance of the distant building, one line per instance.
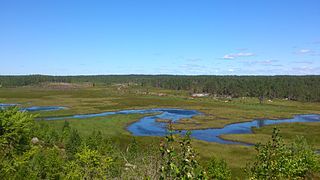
(200, 94)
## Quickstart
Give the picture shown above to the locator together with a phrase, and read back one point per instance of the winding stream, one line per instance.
(35, 108)
(147, 126)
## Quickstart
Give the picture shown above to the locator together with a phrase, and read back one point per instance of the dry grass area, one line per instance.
(64, 86)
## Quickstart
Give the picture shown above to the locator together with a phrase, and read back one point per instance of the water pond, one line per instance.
(148, 126)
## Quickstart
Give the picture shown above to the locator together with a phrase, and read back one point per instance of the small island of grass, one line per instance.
(159, 120)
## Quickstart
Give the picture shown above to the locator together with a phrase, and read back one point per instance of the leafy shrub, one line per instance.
(46, 163)
(94, 141)
(73, 144)
(49, 136)
(218, 169)
(181, 163)
(15, 131)
(276, 160)
(88, 164)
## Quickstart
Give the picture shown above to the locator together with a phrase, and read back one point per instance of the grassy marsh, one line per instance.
(216, 113)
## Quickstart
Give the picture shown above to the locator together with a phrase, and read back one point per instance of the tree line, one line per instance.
(300, 88)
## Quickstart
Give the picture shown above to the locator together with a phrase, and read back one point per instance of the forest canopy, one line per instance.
(300, 88)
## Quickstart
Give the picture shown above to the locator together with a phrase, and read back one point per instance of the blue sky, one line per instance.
(216, 37)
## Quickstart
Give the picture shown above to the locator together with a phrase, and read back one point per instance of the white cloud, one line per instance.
(268, 62)
(303, 62)
(305, 70)
(241, 54)
(228, 56)
(264, 62)
(306, 52)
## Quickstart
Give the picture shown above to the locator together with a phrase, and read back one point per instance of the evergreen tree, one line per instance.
(73, 144)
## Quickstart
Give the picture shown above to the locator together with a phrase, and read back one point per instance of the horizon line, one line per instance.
(160, 75)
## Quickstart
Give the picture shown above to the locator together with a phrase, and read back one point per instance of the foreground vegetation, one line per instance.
(35, 150)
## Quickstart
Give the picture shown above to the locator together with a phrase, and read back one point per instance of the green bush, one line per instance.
(15, 131)
(181, 163)
(73, 144)
(88, 164)
(277, 160)
(45, 163)
(218, 169)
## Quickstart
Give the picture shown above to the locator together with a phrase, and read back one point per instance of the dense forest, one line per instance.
(301, 88)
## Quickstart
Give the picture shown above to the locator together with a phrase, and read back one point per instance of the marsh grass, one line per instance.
(216, 113)
(289, 132)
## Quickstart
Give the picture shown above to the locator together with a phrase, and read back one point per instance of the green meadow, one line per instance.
(217, 112)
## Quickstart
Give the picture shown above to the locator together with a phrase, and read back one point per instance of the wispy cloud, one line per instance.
(305, 70)
(271, 62)
(237, 55)
(157, 54)
(242, 49)
(266, 62)
(303, 62)
(193, 67)
(197, 69)
(194, 59)
(306, 52)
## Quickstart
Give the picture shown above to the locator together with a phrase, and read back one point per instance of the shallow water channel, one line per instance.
(34, 108)
(147, 126)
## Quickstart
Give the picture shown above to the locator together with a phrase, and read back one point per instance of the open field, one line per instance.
(216, 113)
